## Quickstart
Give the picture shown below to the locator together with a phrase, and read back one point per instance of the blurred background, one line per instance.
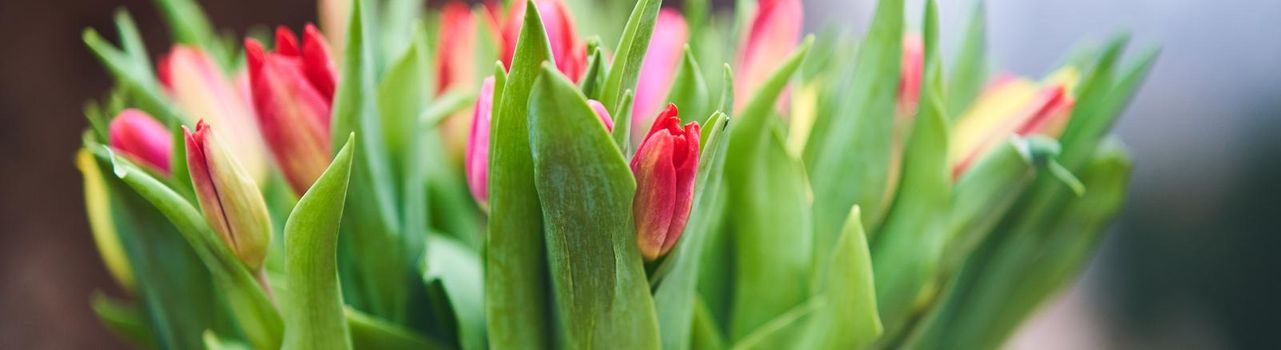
(1189, 264)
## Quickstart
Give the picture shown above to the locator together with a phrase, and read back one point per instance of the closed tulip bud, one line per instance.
(143, 139)
(476, 163)
(293, 91)
(203, 91)
(456, 61)
(658, 70)
(228, 196)
(664, 166)
(775, 30)
(568, 51)
(1012, 106)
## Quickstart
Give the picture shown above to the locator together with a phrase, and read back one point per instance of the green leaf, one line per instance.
(770, 207)
(1101, 103)
(122, 319)
(250, 306)
(586, 188)
(983, 194)
(132, 69)
(971, 66)
(460, 271)
(849, 320)
(215, 342)
(1012, 274)
(689, 90)
(377, 258)
(727, 91)
(705, 335)
(622, 133)
(594, 80)
(368, 332)
(189, 26)
(780, 329)
(906, 252)
(516, 299)
(313, 311)
(632, 46)
(851, 166)
(674, 296)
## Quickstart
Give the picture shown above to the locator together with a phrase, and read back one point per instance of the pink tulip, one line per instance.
(568, 51)
(143, 139)
(658, 70)
(203, 91)
(477, 153)
(293, 91)
(664, 166)
(228, 196)
(775, 31)
(455, 63)
(1046, 113)
(602, 113)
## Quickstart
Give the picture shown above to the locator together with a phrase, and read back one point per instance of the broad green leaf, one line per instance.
(770, 210)
(460, 271)
(586, 187)
(368, 332)
(850, 157)
(689, 90)
(632, 46)
(675, 294)
(516, 300)
(970, 69)
(1088, 124)
(123, 319)
(906, 253)
(849, 319)
(395, 25)
(313, 310)
(1113, 102)
(251, 308)
(215, 342)
(377, 258)
(400, 100)
(982, 196)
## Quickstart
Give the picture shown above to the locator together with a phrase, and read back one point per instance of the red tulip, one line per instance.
(664, 166)
(658, 70)
(229, 197)
(143, 139)
(568, 51)
(203, 91)
(909, 88)
(293, 91)
(1012, 106)
(774, 32)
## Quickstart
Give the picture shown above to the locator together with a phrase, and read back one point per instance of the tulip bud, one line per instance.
(455, 63)
(476, 162)
(228, 196)
(477, 157)
(293, 91)
(203, 91)
(1012, 107)
(664, 166)
(774, 32)
(909, 88)
(143, 139)
(567, 50)
(658, 70)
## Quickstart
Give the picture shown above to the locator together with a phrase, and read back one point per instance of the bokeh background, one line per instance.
(1191, 263)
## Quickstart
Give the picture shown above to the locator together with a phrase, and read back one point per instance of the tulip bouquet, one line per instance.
(493, 177)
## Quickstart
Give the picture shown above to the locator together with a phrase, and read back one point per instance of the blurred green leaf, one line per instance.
(630, 53)
(594, 80)
(189, 26)
(982, 196)
(132, 69)
(675, 294)
(689, 90)
(770, 210)
(849, 149)
(586, 188)
(516, 299)
(849, 318)
(780, 330)
(368, 332)
(313, 310)
(622, 133)
(906, 252)
(123, 319)
(215, 342)
(705, 335)
(969, 73)
(462, 274)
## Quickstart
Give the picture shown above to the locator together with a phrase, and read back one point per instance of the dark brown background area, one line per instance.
(48, 264)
